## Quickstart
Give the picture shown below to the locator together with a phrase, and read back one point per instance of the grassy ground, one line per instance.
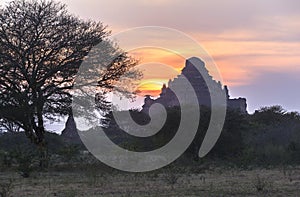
(170, 182)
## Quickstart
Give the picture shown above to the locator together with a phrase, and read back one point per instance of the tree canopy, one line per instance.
(41, 49)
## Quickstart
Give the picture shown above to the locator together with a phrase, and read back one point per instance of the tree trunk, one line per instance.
(44, 157)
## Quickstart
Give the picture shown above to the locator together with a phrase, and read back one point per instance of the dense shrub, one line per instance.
(270, 136)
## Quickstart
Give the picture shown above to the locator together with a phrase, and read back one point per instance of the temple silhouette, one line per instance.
(169, 99)
(198, 81)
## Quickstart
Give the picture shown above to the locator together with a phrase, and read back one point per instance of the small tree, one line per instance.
(42, 47)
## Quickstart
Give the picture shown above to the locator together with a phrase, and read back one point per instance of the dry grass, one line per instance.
(214, 182)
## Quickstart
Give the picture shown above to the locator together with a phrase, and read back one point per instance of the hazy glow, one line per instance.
(158, 66)
(151, 87)
(252, 42)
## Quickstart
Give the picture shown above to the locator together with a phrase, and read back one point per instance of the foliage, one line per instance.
(261, 184)
(94, 176)
(69, 151)
(245, 142)
(26, 160)
(270, 136)
(6, 188)
(42, 47)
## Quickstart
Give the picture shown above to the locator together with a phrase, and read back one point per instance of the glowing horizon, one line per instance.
(255, 44)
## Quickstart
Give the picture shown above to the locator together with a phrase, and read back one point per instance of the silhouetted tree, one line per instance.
(269, 115)
(42, 47)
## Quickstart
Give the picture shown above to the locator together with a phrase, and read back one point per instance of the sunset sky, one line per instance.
(255, 44)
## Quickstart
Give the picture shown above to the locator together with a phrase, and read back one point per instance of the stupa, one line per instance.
(198, 82)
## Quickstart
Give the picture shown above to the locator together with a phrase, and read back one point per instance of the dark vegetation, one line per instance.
(269, 137)
(41, 49)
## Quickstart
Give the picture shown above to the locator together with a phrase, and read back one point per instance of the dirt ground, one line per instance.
(212, 182)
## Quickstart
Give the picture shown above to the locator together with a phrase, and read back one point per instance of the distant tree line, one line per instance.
(269, 136)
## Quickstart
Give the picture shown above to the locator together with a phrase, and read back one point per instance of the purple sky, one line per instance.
(256, 44)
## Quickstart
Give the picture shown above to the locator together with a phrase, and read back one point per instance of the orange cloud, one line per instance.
(162, 56)
(151, 86)
(239, 55)
(158, 66)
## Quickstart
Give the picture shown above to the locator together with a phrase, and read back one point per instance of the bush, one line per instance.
(261, 184)
(69, 152)
(5, 188)
(25, 160)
